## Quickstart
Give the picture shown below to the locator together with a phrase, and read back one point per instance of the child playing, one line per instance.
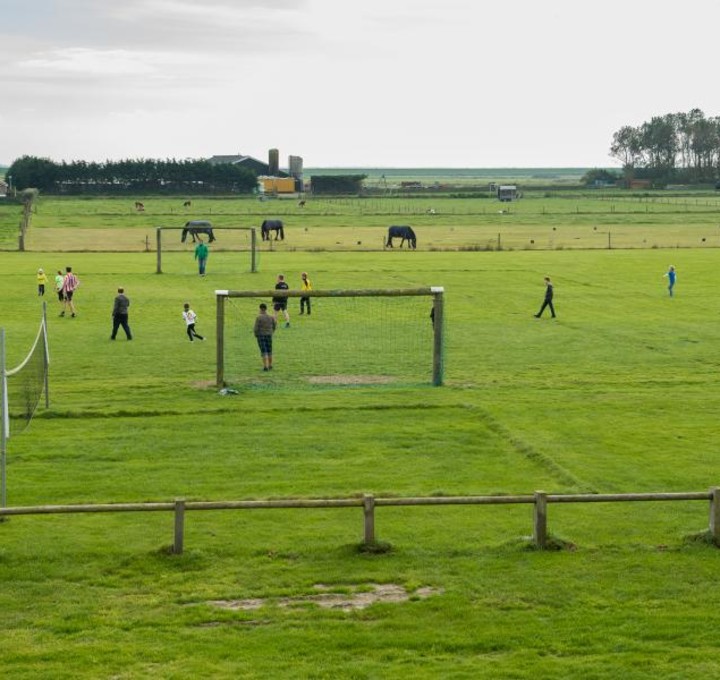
(42, 279)
(190, 319)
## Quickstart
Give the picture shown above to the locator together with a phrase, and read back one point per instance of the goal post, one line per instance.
(377, 335)
(253, 247)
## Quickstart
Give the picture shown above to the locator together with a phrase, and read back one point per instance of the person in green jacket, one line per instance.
(201, 255)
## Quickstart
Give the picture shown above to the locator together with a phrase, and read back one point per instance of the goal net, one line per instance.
(349, 337)
(21, 389)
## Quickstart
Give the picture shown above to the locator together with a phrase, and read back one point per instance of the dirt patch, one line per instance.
(351, 379)
(358, 597)
(204, 384)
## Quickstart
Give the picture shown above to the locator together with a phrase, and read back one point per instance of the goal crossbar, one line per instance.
(436, 292)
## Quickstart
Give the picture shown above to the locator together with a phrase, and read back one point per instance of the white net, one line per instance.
(340, 340)
(26, 383)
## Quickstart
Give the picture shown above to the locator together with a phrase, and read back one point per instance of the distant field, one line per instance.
(619, 394)
(537, 222)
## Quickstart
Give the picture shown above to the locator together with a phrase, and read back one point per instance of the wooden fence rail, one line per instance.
(540, 500)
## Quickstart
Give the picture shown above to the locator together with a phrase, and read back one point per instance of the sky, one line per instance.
(369, 83)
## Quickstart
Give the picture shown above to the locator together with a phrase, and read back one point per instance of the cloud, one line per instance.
(88, 61)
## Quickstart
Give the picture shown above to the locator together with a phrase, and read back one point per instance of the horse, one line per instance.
(197, 227)
(404, 233)
(187, 204)
(272, 225)
(139, 206)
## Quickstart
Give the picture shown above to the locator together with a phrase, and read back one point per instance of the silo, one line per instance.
(274, 162)
(295, 166)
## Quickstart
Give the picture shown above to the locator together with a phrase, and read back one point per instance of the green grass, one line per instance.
(619, 394)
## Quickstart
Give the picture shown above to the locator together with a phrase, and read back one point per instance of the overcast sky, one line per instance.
(367, 83)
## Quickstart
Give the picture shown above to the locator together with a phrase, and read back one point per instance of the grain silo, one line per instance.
(273, 162)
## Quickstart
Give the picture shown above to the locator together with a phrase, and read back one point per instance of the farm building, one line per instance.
(257, 166)
(507, 192)
(277, 185)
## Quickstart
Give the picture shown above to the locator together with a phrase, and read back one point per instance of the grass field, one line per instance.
(619, 394)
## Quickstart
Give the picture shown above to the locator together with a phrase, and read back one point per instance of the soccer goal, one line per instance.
(345, 337)
(232, 238)
(20, 391)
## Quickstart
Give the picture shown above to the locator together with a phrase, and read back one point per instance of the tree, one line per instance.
(31, 171)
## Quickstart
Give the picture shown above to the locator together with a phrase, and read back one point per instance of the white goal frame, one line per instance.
(436, 292)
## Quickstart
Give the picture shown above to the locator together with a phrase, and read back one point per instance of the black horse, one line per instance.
(405, 233)
(272, 225)
(197, 227)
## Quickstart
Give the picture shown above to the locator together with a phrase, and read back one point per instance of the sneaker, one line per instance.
(265, 368)
(73, 315)
(537, 316)
(269, 368)
(62, 313)
(287, 325)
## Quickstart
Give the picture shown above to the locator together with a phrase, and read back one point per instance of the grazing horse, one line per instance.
(404, 233)
(139, 206)
(187, 204)
(197, 227)
(272, 225)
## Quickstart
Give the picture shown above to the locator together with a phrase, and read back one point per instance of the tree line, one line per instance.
(139, 176)
(676, 147)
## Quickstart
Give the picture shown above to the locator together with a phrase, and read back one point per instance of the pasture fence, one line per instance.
(368, 502)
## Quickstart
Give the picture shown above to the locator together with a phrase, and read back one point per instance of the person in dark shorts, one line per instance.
(70, 283)
(265, 326)
(280, 303)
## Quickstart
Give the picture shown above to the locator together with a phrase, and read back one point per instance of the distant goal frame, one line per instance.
(437, 293)
(253, 244)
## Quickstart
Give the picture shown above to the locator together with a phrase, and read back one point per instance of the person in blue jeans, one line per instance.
(671, 277)
(201, 255)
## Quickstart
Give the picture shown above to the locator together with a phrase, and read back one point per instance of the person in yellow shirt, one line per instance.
(305, 301)
(42, 279)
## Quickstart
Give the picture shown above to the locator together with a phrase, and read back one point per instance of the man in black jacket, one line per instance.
(120, 314)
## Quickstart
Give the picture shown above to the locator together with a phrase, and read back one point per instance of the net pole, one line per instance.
(253, 249)
(158, 239)
(220, 338)
(4, 422)
(438, 311)
(46, 355)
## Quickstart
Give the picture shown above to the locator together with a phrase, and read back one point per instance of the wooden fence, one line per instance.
(540, 500)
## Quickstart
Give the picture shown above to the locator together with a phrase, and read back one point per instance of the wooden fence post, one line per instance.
(715, 515)
(369, 510)
(179, 526)
(540, 520)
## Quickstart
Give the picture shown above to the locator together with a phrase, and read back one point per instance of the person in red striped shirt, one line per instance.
(70, 283)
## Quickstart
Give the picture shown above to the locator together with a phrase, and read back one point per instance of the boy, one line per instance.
(280, 303)
(190, 319)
